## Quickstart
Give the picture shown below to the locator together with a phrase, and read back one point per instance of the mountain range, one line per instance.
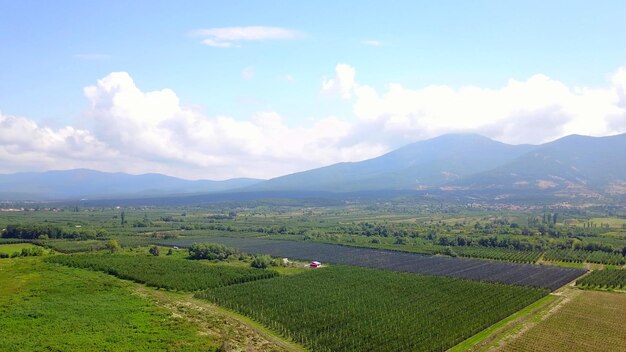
(83, 183)
(573, 166)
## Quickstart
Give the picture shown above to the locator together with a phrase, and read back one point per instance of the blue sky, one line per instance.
(369, 71)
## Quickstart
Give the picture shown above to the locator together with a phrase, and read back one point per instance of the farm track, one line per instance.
(236, 333)
(548, 277)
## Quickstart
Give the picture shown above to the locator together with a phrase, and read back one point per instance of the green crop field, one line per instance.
(617, 223)
(592, 321)
(45, 307)
(579, 256)
(604, 279)
(498, 254)
(355, 309)
(72, 246)
(168, 273)
(15, 247)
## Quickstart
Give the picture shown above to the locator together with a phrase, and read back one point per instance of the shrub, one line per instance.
(113, 246)
(261, 262)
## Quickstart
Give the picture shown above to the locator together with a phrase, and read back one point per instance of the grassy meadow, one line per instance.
(47, 307)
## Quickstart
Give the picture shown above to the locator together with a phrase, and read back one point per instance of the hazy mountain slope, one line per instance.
(573, 163)
(427, 163)
(89, 183)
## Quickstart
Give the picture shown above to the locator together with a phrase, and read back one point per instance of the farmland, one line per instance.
(172, 274)
(550, 236)
(348, 309)
(521, 274)
(386, 260)
(604, 279)
(578, 256)
(592, 321)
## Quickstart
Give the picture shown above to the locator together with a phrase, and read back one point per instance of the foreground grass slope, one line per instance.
(592, 321)
(46, 307)
(356, 309)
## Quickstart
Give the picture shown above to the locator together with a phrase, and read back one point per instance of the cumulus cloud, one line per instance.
(342, 84)
(228, 37)
(138, 131)
(25, 145)
(154, 126)
(534, 110)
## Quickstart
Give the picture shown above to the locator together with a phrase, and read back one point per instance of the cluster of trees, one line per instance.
(262, 262)
(44, 231)
(231, 215)
(490, 241)
(526, 244)
(211, 251)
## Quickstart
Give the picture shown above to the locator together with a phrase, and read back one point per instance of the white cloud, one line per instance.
(137, 131)
(216, 44)
(227, 37)
(342, 84)
(154, 126)
(24, 145)
(371, 42)
(534, 110)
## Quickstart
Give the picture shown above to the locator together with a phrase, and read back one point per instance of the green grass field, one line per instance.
(355, 309)
(47, 307)
(615, 223)
(15, 247)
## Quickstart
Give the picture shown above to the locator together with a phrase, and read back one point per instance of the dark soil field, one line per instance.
(474, 269)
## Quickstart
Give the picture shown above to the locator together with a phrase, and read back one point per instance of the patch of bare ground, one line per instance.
(234, 332)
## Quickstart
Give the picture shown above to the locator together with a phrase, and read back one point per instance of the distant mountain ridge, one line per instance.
(419, 165)
(467, 164)
(84, 183)
(572, 165)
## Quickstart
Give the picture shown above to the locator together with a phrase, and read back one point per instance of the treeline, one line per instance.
(45, 231)
(526, 244)
(215, 251)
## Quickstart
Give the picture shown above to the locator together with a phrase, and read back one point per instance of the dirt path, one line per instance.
(235, 333)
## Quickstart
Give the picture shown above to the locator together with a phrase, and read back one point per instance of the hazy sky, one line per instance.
(206, 89)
